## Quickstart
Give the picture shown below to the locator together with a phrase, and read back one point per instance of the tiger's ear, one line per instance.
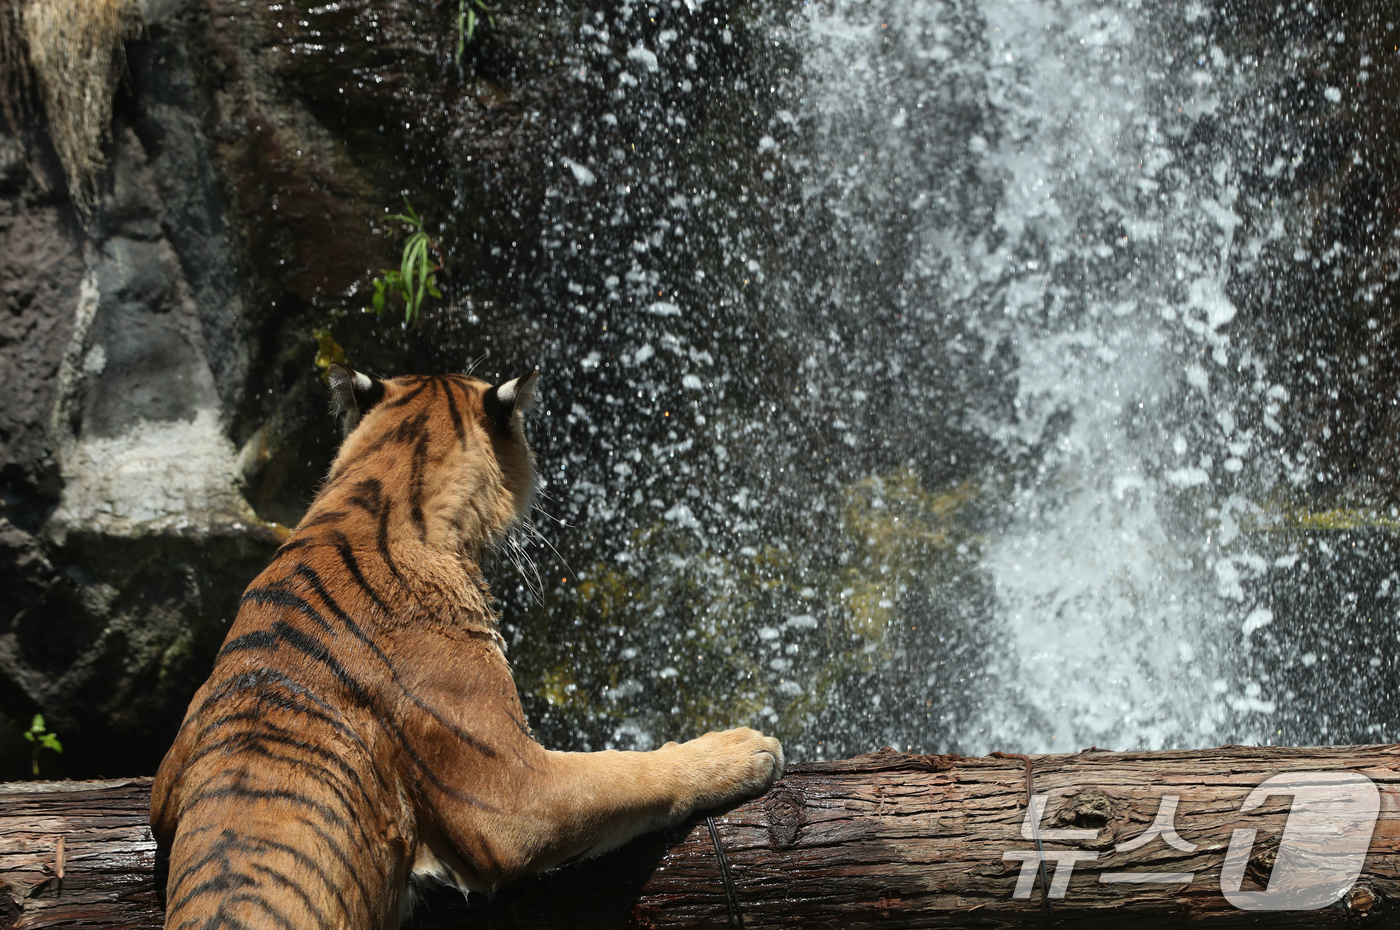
(353, 393)
(507, 404)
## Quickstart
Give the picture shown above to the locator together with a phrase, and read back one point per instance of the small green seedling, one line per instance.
(39, 735)
(416, 276)
(466, 22)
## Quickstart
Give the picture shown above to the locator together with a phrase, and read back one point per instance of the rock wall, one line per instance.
(126, 532)
(161, 418)
(138, 356)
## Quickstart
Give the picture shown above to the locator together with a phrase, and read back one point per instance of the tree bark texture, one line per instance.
(888, 840)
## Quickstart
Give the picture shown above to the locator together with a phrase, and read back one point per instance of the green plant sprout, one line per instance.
(466, 22)
(39, 735)
(416, 276)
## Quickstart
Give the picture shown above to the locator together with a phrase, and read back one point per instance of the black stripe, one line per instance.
(357, 812)
(195, 831)
(312, 578)
(335, 849)
(290, 546)
(241, 792)
(258, 717)
(328, 815)
(314, 708)
(521, 725)
(223, 881)
(382, 544)
(405, 432)
(347, 555)
(415, 496)
(261, 902)
(448, 390)
(261, 639)
(492, 863)
(222, 919)
(243, 716)
(330, 516)
(409, 397)
(370, 496)
(262, 681)
(294, 886)
(281, 598)
(283, 632)
(249, 741)
(249, 748)
(262, 684)
(315, 649)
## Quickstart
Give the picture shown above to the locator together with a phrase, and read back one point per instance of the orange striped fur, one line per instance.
(361, 727)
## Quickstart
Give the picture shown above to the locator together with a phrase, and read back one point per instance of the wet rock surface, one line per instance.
(125, 531)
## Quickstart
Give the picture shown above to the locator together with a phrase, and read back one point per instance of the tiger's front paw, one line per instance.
(733, 765)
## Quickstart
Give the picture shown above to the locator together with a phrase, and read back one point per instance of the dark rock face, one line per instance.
(124, 539)
(40, 268)
(1335, 312)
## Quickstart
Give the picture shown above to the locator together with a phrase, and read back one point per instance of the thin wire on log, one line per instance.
(731, 895)
(1046, 907)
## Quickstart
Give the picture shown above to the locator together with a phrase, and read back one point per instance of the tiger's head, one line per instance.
(444, 458)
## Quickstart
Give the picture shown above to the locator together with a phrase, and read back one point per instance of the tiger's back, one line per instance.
(361, 725)
(286, 735)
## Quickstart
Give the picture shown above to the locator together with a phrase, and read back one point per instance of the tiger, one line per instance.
(361, 734)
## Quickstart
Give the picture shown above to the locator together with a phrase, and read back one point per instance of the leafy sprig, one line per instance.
(39, 735)
(416, 276)
(466, 22)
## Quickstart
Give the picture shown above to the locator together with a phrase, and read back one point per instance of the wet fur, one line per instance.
(361, 725)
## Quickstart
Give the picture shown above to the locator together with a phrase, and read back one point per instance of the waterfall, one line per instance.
(941, 431)
(1104, 630)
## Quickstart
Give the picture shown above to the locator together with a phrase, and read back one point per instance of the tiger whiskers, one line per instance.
(513, 547)
(515, 551)
(529, 527)
(534, 505)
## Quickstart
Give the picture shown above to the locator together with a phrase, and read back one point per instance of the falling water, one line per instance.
(900, 401)
(1101, 270)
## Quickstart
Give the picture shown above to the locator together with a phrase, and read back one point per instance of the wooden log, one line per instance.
(103, 877)
(888, 839)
